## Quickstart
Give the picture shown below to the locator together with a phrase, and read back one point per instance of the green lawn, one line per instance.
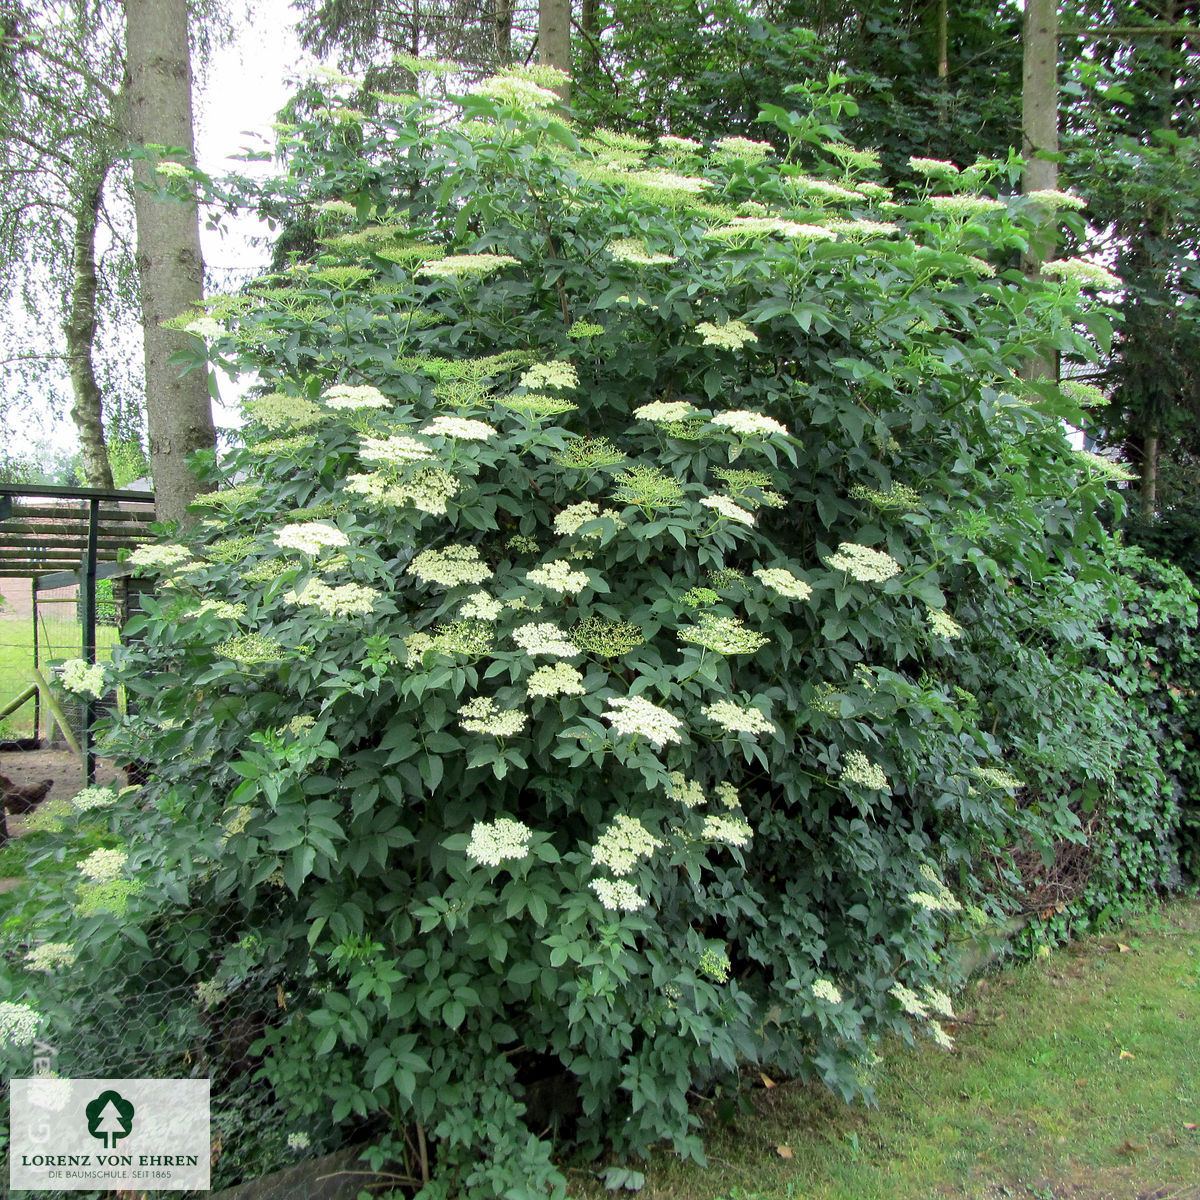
(1075, 1077)
(58, 639)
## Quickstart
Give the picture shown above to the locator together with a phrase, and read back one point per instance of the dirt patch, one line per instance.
(32, 766)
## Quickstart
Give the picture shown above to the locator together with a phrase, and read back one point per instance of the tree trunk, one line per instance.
(88, 409)
(170, 267)
(1039, 139)
(1148, 488)
(554, 38)
(503, 11)
(589, 26)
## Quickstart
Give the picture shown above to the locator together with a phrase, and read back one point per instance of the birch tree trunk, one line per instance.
(170, 267)
(88, 409)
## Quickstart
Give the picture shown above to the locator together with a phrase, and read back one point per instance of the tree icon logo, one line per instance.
(109, 1117)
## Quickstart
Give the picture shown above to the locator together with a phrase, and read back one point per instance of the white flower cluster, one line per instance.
(93, 797)
(687, 791)
(635, 252)
(18, 1024)
(558, 577)
(450, 566)
(556, 679)
(781, 580)
(298, 1141)
(619, 895)
(1083, 273)
(742, 228)
(574, 515)
(1097, 464)
(1053, 198)
(749, 424)
(664, 411)
(396, 449)
(823, 989)
(668, 182)
(635, 715)
(735, 719)
(465, 266)
(222, 608)
(729, 509)
(459, 427)
(50, 955)
(310, 537)
(863, 563)
(932, 166)
(733, 335)
(908, 1000)
(994, 777)
(103, 864)
(942, 623)
(621, 845)
(731, 830)
(744, 148)
(723, 635)
(480, 606)
(544, 638)
(483, 715)
(345, 600)
(205, 327)
(167, 556)
(349, 396)
(82, 678)
(942, 902)
(514, 91)
(728, 795)
(938, 1001)
(557, 374)
(964, 206)
(859, 769)
(501, 840)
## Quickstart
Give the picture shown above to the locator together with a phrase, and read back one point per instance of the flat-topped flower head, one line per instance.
(573, 516)
(535, 405)
(555, 679)
(165, 556)
(635, 252)
(859, 770)
(898, 497)
(782, 581)
(734, 718)
(648, 488)
(622, 844)
(863, 563)
(484, 715)
(749, 424)
(450, 566)
(50, 955)
(460, 428)
(745, 149)
(205, 327)
(544, 638)
(510, 88)
(351, 396)
(396, 449)
(589, 453)
(310, 537)
(499, 841)
(606, 639)
(19, 1024)
(634, 716)
(733, 831)
(619, 895)
(91, 798)
(823, 989)
(733, 335)
(465, 266)
(742, 229)
(250, 649)
(82, 678)
(728, 508)
(557, 374)
(559, 577)
(942, 624)
(344, 600)
(937, 167)
(965, 206)
(103, 864)
(481, 607)
(728, 795)
(1083, 273)
(1053, 198)
(724, 635)
(908, 1000)
(687, 791)
(660, 411)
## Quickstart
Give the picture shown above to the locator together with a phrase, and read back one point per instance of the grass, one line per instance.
(1076, 1076)
(58, 639)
